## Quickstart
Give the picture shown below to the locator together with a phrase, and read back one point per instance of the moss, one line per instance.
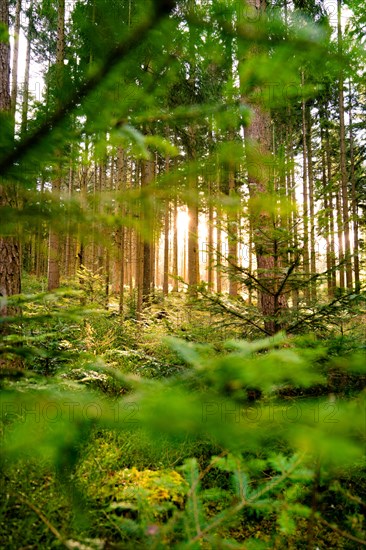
(151, 494)
(128, 491)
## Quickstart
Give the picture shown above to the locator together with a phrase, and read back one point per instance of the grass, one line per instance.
(44, 507)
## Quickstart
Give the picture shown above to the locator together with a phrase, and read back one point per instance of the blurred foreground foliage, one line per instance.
(177, 443)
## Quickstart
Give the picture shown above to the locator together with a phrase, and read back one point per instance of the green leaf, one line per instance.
(286, 523)
(136, 139)
(186, 350)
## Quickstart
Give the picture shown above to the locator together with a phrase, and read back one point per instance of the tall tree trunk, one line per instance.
(343, 166)
(309, 150)
(14, 83)
(139, 279)
(327, 225)
(154, 261)
(232, 228)
(69, 242)
(122, 259)
(193, 252)
(147, 176)
(121, 183)
(10, 282)
(333, 255)
(210, 240)
(166, 240)
(291, 193)
(341, 257)
(306, 258)
(175, 246)
(10, 265)
(107, 277)
(356, 244)
(218, 249)
(25, 100)
(54, 243)
(250, 260)
(258, 140)
(166, 249)
(193, 210)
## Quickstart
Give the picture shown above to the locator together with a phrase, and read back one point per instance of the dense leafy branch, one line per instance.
(161, 8)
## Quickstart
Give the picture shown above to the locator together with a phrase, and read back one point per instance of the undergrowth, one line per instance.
(163, 433)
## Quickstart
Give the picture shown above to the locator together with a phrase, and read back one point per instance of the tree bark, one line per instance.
(309, 150)
(10, 269)
(14, 83)
(258, 138)
(54, 242)
(166, 240)
(193, 253)
(333, 255)
(306, 258)
(147, 176)
(232, 229)
(343, 166)
(121, 183)
(219, 247)
(327, 225)
(5, 102)
(10, 264)
(25, 100)
(356, 244)
(175, 246)
(210, 240)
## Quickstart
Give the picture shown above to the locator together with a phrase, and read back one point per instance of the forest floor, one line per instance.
(128, 488)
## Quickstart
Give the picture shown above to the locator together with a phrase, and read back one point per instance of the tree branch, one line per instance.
(343, 534)
(218, 302)
(231, 512)
(161, 8)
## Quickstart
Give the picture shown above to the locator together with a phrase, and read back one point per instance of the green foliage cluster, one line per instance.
(148, 494)
(149, 430)
(256, 430)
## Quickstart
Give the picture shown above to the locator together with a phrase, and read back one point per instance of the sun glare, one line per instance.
(182, 221)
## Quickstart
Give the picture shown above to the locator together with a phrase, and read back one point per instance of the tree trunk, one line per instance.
(327, 225)
(356, 245)
(258, 138)
(309, 150)
(218, 251)
(293, 220)
(210, 241)
(166, 240)
(139, 275)
(147, 176)
(121, 183)
(250, 261)
(341, 257)
(306, 259)
(54, 244)
(232, 229)
(10, 268)
(14, 84)
(193, 253)
(10, 265)
(10, 283)
(333, 255)
(25, 101)
(122, 260)
(175, 246)
(343, 167)
(107, 278)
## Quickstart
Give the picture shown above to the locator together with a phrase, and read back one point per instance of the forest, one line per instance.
(182, 274)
